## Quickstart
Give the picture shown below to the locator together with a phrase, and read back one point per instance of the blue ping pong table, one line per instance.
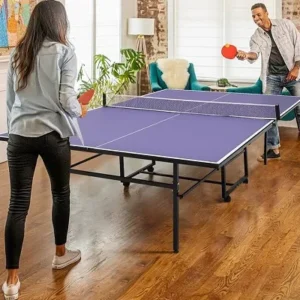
(204, 129)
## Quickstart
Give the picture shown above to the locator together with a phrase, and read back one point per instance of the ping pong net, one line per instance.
(180, 106)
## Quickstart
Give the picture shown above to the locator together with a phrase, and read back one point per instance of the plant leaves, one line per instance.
(112, 78)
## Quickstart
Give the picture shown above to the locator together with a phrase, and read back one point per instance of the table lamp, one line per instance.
(141, 27)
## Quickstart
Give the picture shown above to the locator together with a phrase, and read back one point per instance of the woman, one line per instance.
(42, 111)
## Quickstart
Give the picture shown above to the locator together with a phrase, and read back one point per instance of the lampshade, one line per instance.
(140, 26)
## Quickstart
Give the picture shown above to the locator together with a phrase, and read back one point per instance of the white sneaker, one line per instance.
(70, 257)
(11, 291)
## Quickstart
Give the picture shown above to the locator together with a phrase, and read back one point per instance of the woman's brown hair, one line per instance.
(48, 20)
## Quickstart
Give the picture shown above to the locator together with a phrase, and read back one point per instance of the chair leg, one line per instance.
(297, 116)
(298, 122)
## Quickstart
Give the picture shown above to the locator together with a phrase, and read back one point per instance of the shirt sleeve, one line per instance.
(295, 36)
(67, 93)
(10, 92)
(254, 47)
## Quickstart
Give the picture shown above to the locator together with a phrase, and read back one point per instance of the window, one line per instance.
(108, 26)
(81, 31)
(94, 29)
(199, 29)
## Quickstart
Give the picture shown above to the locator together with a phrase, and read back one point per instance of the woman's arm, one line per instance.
(67, 93)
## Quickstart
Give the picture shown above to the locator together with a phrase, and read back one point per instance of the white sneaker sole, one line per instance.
(11, 297)
(67, 263)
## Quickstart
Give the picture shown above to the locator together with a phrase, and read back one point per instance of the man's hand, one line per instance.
(84, 109)
(293, 74)
(242, 55)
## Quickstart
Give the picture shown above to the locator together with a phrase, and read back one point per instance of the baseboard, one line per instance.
(290, 124)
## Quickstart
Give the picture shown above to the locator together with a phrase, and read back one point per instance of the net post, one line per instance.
(104, 99)
(277, 110)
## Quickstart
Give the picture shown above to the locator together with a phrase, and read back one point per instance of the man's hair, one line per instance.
(257, 5)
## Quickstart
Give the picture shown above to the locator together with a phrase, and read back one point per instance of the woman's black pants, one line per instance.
(22, 154)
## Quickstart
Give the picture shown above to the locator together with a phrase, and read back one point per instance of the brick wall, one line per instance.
(157, 45)
(291, 10)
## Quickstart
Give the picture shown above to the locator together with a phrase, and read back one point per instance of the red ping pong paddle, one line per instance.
(229, 51)
(86, 97)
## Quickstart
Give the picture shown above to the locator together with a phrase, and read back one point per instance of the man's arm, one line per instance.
(295, 35)
(293, 74)
(252, 55)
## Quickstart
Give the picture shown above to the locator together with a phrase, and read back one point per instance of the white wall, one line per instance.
(129, 10)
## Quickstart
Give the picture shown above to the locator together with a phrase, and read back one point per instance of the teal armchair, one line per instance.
(256, 88)
(157, 83)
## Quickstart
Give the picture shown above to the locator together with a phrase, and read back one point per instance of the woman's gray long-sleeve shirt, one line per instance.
(49, 102)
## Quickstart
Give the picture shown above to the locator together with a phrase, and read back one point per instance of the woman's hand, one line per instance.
(84, 109)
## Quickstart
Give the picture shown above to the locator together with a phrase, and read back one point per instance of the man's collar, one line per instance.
(274, 23)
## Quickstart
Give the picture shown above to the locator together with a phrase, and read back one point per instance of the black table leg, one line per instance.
(175, 208)
(265, 149)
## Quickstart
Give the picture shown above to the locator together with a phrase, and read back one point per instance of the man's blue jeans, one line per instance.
(275, 85)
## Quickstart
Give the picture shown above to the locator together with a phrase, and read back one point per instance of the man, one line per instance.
(278, 43)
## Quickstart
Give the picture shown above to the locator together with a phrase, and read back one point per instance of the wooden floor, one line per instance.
(248, 249)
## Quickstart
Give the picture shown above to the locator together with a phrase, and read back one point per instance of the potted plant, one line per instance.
(111, 78)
